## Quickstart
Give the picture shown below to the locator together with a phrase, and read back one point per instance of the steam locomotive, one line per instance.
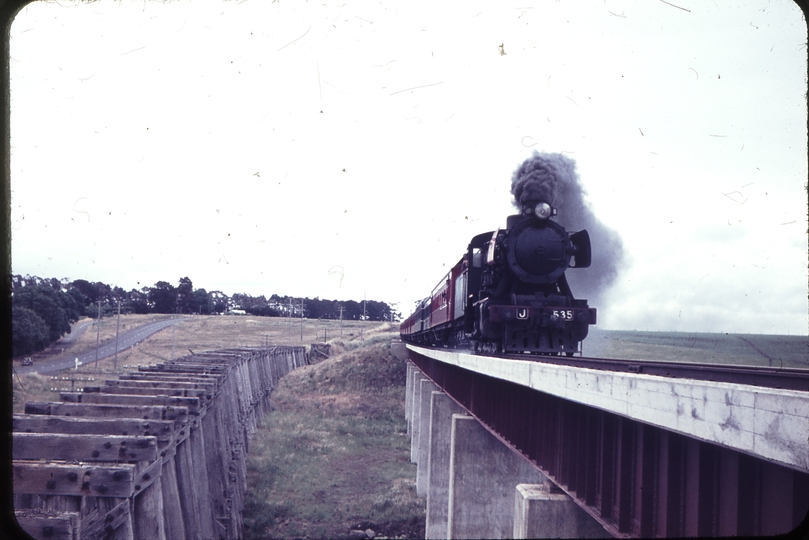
(508, 293)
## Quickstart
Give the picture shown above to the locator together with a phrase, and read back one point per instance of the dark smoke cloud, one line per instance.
(553, 179)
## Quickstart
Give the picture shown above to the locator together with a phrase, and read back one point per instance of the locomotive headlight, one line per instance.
(543, 210)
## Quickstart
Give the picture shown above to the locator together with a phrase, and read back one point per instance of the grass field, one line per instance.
(197, 333)
(743, 349)
(334, 454)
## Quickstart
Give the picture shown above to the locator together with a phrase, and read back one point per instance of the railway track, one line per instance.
(765, 376)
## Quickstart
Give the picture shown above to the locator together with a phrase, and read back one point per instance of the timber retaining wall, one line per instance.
(158, 453)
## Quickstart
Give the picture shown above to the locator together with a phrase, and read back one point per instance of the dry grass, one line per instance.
(34, 387)
(203, 333)
(197, 333)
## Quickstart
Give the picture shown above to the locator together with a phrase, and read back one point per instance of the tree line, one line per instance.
(44, 308)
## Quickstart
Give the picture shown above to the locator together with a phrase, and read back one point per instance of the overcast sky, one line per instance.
(349, 149)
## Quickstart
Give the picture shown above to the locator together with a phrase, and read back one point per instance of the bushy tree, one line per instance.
(185, 295)
(54, 283)
(61, 302)
(137, 302)
(163, 297)
(201, 302)
(73, 309)
(119, 295)
(93, 293)
(377, 311)
(104, 293)
(29, 333)
(87, 290)
(315, 308)
(255, 305)
(79, 300)
(352, 310)
(40, 315)
(220, 301)
(51, 306)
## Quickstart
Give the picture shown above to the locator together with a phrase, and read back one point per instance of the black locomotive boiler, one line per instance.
(509, 293)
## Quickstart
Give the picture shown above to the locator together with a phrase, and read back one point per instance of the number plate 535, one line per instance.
(565, 314)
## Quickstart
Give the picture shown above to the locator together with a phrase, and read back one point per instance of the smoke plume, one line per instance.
(553, 179)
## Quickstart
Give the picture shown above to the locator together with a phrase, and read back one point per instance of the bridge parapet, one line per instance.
(764, 422)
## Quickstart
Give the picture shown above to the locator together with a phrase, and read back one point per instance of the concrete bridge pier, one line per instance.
(476, 486)
(422, 445)
(483, 474)
(422, 388)
(442, 409)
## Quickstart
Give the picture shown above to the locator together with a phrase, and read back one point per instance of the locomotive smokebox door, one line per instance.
(581, 249)
(538, 252)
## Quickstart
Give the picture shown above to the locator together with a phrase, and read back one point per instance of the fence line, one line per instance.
(158, 453)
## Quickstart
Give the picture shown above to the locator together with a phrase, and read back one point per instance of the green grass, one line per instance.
(334, 454)
(746, 349)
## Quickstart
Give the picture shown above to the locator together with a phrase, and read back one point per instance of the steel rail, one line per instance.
(784, 378)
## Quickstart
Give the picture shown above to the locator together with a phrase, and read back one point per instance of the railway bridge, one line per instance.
(507, 447)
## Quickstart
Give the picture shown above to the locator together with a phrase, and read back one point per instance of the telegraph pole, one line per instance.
(341, 320)
(289, 323)
(362, 328)
(301, 319)
(98, 332)
(173, 338)
(117, 325)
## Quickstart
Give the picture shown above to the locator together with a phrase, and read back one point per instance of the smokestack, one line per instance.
(553, 178)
